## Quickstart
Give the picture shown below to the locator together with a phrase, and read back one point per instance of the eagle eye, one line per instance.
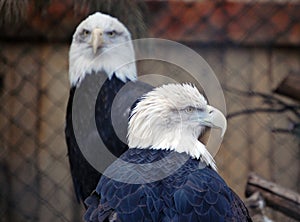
(189, 109)
(85, 32)
(111, 33)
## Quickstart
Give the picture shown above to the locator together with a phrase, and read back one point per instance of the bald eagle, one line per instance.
(91, 54)
(167, 174)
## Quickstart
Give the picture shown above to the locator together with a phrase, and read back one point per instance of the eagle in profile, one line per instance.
(167, 174)
(93, 53)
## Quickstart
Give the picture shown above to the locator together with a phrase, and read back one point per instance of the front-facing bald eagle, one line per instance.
(167, 174)
(94, 51)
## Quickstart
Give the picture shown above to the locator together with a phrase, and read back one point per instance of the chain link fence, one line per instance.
(251, 46)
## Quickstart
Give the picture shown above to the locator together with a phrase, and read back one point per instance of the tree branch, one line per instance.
(290, 86)
(276, 197)
(269, 99)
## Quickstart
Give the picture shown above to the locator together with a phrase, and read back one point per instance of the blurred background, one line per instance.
(252, 46)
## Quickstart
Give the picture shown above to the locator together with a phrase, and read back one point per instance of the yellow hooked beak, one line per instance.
(97, 39)
(215, 119)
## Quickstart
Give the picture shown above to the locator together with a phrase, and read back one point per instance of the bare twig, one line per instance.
(281, 130)
(290, 86)
(269, 99)
(255, 110)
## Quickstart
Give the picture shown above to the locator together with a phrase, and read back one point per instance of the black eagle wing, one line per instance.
(85, 176)
(205, 196)
(240, 210)
(190, 194)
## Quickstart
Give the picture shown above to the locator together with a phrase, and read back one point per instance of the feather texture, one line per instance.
(85, 177)
(189, 194)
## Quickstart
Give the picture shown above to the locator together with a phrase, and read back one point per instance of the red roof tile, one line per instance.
(221, 22)
(227, 22)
